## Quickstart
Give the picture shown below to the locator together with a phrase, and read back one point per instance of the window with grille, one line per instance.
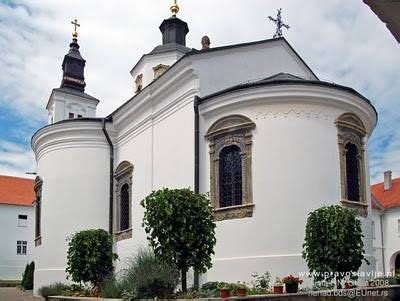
(124, 208)
(38, 208)
(230, 176)
(21, 247)
(352, 173)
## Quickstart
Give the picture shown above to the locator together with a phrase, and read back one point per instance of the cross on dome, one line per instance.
(279, 24)
(76, 24)
(174, 8)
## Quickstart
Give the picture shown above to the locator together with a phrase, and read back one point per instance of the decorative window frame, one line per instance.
(227, 131)
(352, 130)
(38, 184)
(123, 175)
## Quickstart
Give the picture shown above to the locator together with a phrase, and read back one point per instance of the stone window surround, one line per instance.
(38, 192)
(352, 130)
(226, 131)
(123, 175)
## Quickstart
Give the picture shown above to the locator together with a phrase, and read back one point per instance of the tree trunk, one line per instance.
(184, 280)
(196, 284)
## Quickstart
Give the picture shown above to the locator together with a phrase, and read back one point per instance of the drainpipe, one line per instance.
(196, 165)
(383, 246)
(111, 184)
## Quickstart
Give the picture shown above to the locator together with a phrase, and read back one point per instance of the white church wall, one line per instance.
(219, 70)
(295, 165)
(73, 162)
(376, 231)
(12, 265)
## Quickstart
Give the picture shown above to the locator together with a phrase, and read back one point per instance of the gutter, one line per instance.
(111, 185)
(196, 103)
(383, 246)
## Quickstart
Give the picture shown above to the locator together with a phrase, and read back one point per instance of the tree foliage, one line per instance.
(27, 277)
(180, 228)
(90, 257)
(333, 245)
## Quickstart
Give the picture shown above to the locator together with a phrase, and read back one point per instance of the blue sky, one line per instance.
(346, 44)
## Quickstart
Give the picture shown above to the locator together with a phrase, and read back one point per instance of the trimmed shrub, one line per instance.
(27, 277)
(333, 244)
(90, 257)
(180, 228)
(147, 277)
(55, 289)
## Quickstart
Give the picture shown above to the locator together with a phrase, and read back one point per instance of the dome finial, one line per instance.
(75, 33)
(174, 8)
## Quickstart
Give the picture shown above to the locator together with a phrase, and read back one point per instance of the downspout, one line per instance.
(383, 246)
(196, 165)
(111, 184)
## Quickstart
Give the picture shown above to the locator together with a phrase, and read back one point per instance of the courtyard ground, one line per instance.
(14, 294)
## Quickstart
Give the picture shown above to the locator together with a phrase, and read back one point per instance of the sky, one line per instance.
(342, 41)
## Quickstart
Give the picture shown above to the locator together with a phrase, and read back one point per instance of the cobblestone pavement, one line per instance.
(14, 294)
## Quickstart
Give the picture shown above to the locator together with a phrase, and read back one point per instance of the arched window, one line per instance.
(230, 180)
(123, 177)
(351, 133)
(124, 208)
(38, 210)
(352, 173)
(230, 167)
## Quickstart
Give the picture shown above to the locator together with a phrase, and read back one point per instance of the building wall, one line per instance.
(377, 241)
(12, 265)
(295, 170)
(73, 162)
(391, 237)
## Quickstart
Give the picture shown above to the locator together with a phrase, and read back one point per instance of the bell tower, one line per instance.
(70, 100)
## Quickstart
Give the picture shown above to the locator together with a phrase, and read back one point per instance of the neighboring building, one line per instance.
(250, 123)
(16, 226)
(386, 223)
(389, 12)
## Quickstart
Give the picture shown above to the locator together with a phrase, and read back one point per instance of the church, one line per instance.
(250, 124)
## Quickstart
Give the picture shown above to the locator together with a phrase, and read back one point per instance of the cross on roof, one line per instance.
(279, 24)
(76, 24)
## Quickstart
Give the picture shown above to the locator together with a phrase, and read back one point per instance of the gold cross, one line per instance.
(76, 24)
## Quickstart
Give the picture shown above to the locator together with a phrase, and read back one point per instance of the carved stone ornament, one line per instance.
(123, 175)
(352, 130)
(227, 131)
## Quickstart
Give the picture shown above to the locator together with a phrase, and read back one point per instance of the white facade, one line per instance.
(387, 239)
(295, 157)
(15, 228)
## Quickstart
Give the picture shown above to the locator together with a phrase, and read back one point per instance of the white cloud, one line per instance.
(346, 44)
(15, 159)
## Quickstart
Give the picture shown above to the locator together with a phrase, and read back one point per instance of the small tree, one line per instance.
(90, 257)
(333, 245)
(180, 228)
(27, 276)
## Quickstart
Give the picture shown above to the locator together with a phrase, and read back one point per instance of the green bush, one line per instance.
(180, 228)
(112, 288)
(56, 289)
(90, 257)
(147, 277)
(333, 244)
(27, 277)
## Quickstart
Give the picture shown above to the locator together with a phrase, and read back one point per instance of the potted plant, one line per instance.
(241, 290)
(292, 284)
(278, 286)
(224, 292)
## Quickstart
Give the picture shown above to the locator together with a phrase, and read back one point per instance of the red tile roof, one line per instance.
(16, 191)
(389, 198)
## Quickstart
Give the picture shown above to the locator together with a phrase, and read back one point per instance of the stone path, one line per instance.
(14, 294)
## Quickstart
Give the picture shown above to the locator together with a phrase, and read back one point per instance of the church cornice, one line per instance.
(299, 93)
